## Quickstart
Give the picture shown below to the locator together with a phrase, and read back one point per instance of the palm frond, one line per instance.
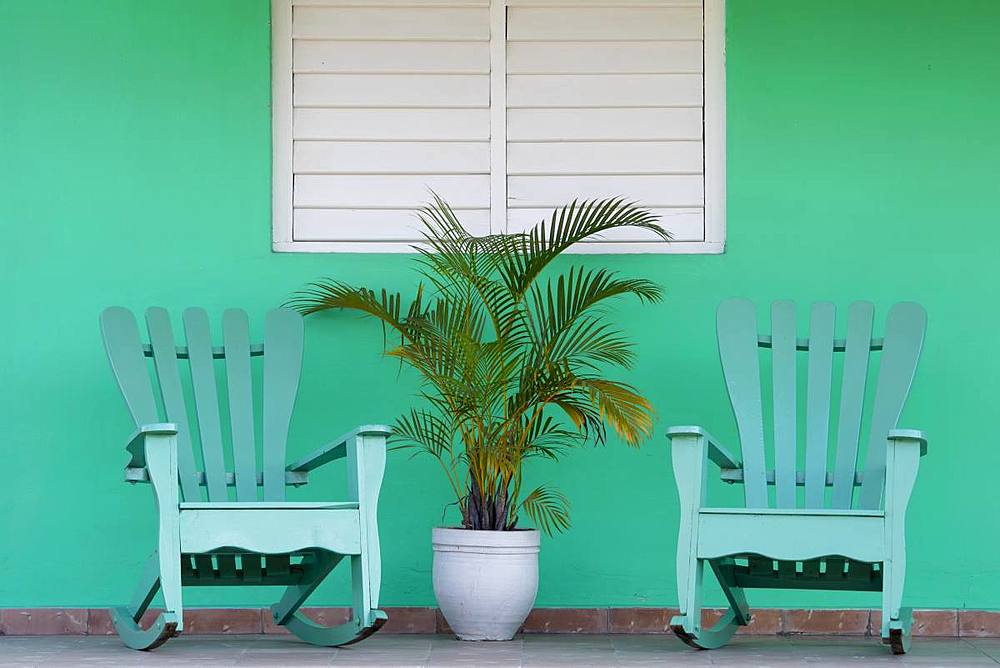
(548, 509)
(628, 413)
(424, 430)
(570, 225)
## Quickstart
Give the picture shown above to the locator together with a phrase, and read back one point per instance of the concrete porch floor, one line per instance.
(527, 650)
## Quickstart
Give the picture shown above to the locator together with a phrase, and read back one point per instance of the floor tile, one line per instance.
(988, 646)
(441, 651)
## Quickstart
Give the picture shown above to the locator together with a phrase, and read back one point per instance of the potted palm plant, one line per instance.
(514, 366)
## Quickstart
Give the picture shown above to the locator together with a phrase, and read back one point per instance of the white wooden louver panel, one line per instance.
(607, 100)
(390, 100)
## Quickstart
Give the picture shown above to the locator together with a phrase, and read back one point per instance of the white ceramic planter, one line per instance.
(485, 581)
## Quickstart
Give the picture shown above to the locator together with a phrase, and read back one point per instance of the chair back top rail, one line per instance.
(739, 342)
(194, 404)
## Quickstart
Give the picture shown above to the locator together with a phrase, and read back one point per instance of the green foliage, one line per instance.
(513, 363)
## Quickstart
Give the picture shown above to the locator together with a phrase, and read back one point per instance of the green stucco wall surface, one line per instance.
(135, 167)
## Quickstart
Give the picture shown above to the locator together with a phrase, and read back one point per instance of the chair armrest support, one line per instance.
(904, 448)
(335, 449)
(136, 445)
(366, 453)
(716, 451)
(153, 448)
(909, 436)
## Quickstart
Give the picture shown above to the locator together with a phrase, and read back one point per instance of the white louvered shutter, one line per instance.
(603, 101)
(506, 108)
(390, 101)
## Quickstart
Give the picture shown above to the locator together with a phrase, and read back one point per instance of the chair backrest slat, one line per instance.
(128, 362)
(239, 382)
(852, 397)
(736, 323)
(783, 376)
(206, 401)
(161, 340)
(904, 339)
(819, 386)
(283, 338)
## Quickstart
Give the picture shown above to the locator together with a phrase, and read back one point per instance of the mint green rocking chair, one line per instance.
(234, 527)
(829, 523)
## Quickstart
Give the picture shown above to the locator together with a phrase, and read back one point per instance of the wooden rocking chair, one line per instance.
(256, 538)
(813, 539)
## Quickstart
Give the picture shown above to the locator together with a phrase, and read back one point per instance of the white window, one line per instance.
(506, 108)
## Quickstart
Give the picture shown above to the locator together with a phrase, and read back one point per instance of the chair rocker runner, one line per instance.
(257, 538)
(828, 535)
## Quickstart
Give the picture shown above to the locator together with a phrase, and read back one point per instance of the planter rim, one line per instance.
(447, 536)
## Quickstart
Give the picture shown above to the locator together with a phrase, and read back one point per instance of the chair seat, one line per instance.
(270, 505)
(792, 512)
(791, 534)
(270, 528)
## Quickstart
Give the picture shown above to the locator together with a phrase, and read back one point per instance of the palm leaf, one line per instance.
(548, 509)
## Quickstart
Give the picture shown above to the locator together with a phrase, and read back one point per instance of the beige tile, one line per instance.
(43, 621)
(236, 621)
(324, 616)
(932, 623)
(836, 622)
(567, 620)
(979, 623)
(411, 620)
(640, 620)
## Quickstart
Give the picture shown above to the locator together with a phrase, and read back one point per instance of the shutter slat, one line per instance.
(376, 124)
(604, 90)
(550, 191)
(604, 158)
(392, 157)
(374, 224)
(392, 90)
(604, 23)
(555, 125)
(380, 23)
(402, 191)
(391, 57)
(685, 224)
(622, 57)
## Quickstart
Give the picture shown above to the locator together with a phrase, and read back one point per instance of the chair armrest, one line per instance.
(910, 436)
(716, 451)
(336, 449)
(136, 445)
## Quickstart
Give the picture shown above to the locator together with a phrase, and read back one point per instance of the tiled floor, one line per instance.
(529, 650)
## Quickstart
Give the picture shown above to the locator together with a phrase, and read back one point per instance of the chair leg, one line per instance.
(285, 612)
(169, 623)
(687, 625)
(712, 638)
(899, 635)
(896, 620)
(724, 570)
(316, 567)
(136, 637)
(335, 636)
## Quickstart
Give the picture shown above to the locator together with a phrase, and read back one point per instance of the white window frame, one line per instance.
(714, 110)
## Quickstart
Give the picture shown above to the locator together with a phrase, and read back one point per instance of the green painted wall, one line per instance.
(134, 170)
